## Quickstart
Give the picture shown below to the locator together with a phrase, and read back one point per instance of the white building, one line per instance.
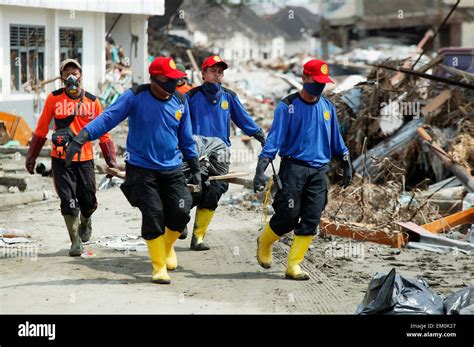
(35, 36)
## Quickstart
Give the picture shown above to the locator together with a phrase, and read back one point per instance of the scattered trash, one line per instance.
(419, 234)
(123, 243)
(15, 240)
(88, 254)
(110, 182)
(394, 294)
(12, 232)
(43, 167)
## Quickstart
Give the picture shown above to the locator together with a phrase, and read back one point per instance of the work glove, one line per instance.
(33, 151)
(76, 146)
(259, 179)
(195, 169)
(347, 170)
(260, 137)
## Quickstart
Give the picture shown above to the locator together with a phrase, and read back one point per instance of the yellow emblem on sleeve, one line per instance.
(225, 105)
(327, 115)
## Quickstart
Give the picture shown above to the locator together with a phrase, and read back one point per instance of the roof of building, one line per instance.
(294, 21)
(220, 21)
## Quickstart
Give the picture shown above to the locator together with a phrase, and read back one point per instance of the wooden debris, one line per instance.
(449, 222)
(394, 239)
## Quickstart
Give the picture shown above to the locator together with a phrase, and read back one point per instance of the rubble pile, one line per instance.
(379, 118)
(376, 206)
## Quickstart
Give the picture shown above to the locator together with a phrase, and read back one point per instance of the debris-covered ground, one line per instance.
(113, 277)
(411, 140)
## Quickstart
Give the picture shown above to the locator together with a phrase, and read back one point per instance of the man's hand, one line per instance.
(195, 169)
(259, 179)
(260, 137)
(347, 170)
(75, 146)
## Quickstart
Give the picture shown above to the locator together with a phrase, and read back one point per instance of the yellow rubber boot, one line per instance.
(264, 246)
(170, 238)
(295, 257)
(201, 222)
(157, 250)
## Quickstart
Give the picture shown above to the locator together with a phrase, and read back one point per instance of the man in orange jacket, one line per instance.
(183, 86)
(72, 108)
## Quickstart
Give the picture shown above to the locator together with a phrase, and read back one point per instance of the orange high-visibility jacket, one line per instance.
(59, 105)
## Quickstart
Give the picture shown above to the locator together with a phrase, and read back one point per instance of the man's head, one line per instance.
(71, 75)
(164, 76)
(181, 68)
(212, 69)
(315, 76)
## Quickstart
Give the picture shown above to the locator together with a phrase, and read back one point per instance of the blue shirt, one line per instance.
(159, 131)
(213, 120)
(305, 131)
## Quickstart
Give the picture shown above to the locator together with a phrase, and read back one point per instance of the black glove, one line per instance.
(260, 137)
(347, 170)
(259, 179)
(76, 146)
(195, 169)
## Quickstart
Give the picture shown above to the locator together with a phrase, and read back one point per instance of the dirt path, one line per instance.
(223, 280)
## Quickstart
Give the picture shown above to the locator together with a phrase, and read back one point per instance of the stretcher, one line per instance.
(232, 177)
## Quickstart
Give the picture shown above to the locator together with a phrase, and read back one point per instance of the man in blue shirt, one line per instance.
(212, 107)
(159, 136)
(305, 132)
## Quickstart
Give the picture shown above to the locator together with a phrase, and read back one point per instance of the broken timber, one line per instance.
(394, 239)
(449, 222)
(427, 76)
(460, 172)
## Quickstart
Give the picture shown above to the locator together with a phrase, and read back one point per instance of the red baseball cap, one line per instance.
(317, 69)
(213, 60)
(165, 66)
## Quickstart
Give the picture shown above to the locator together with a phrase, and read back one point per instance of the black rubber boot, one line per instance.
(85, 228)
(72, 224)
(201, 246)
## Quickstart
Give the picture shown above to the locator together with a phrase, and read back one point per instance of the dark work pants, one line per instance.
(161, 196)
(210, 195)
(75, 186)
(299, 205)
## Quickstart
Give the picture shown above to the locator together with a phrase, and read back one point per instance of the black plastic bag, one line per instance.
(214, 156)
(394, 294)
(460, 302)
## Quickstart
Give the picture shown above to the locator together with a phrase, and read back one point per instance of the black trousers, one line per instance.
(161, 196)
(299, 205)
(75, 186)
(210, 194)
